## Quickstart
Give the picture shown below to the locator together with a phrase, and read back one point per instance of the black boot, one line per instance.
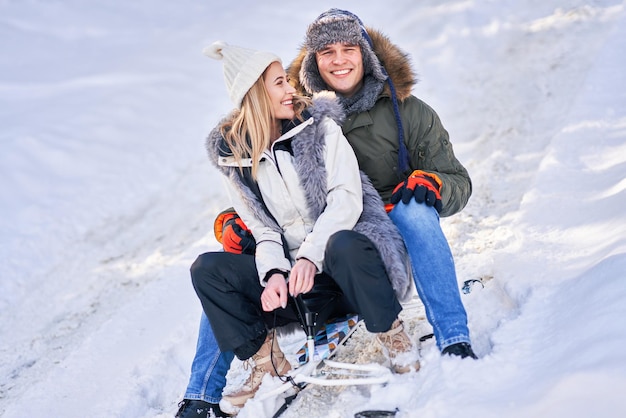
(460, 349)
(194, 408)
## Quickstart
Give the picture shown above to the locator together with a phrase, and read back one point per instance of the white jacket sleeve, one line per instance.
(344, 202)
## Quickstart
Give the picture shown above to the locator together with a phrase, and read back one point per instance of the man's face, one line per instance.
(341, 67)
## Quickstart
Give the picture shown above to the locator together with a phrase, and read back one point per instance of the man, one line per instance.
(402, 146)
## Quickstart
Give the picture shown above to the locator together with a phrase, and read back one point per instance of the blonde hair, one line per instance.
(248, 134)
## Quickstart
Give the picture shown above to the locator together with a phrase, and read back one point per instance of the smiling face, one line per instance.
(341, 67)
(280, 91)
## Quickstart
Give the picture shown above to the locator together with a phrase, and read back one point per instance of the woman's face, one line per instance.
(279, 90)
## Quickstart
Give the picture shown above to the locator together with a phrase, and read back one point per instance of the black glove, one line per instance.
(424, 187)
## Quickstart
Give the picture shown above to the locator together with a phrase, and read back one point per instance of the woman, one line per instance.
(294, 181)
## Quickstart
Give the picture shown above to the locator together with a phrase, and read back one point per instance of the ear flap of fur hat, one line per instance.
(336, 26)
(242, 67)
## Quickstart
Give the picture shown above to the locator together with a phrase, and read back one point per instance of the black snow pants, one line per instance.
(229, 290)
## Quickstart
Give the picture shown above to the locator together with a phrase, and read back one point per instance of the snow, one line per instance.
(107, 198)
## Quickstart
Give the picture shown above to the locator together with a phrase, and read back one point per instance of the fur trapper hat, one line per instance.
(242, 67)
(336, 26)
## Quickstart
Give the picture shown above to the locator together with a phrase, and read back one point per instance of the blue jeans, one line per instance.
(209, 367)
(433, 271)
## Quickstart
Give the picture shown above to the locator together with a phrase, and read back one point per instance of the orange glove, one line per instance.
(424, 187)
(233, 234)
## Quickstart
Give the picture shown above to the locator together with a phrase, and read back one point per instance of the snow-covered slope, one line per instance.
(107, 198)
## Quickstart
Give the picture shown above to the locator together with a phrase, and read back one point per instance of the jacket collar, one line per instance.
(290, 128)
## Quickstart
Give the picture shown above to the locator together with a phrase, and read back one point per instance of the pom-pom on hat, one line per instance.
(242, 67)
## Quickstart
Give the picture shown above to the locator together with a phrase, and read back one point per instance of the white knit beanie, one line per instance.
(242, 67)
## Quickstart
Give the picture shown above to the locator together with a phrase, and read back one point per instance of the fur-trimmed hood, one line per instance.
(394, 60)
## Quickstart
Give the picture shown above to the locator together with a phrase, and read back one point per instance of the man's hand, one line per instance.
(302, 277)
(233, 234)
(274, 295)
(424, 187)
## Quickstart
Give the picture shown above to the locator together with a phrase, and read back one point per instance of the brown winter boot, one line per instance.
(398, 348)
(261, 365)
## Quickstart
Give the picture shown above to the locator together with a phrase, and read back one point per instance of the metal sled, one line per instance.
(314, 308)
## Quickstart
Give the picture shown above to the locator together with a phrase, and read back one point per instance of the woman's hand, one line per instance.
(274, 295)
(302, 277)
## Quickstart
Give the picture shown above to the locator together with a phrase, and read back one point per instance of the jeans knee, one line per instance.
(415, 212)
(415, 220)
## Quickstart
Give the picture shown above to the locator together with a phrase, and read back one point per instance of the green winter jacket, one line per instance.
(373, 134)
